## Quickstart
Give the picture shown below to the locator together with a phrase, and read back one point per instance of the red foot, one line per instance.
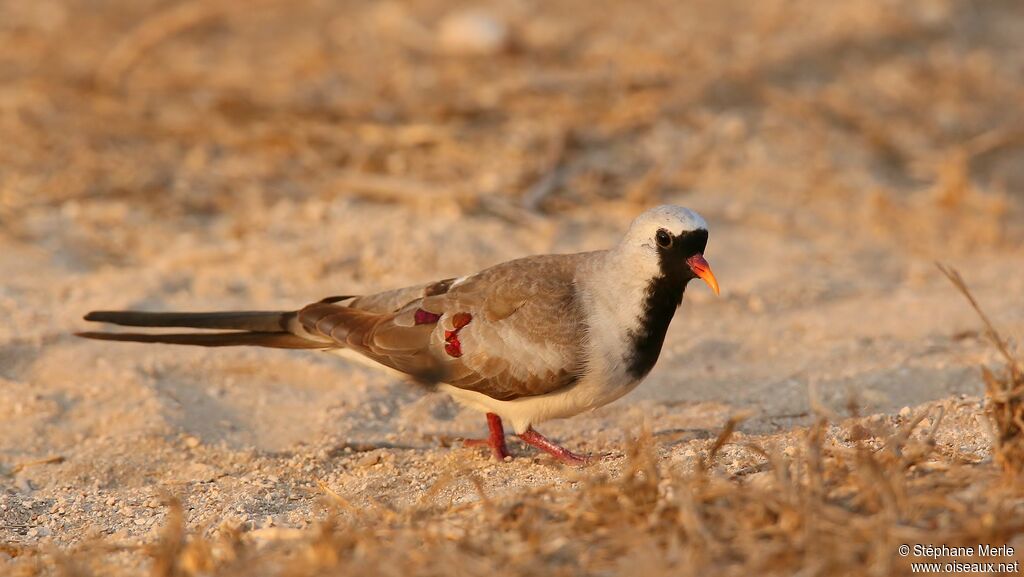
(495, 439)
(531, 437)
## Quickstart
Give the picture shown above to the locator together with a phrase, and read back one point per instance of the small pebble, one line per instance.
(755, 304)
(473, 32)
(368, 460)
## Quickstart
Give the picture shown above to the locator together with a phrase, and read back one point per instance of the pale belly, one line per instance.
(586, 395)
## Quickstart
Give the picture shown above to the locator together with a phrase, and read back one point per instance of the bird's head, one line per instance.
(672, 238)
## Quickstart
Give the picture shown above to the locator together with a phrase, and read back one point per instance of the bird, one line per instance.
(525, 341)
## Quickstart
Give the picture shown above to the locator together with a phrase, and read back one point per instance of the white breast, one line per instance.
(612, 292)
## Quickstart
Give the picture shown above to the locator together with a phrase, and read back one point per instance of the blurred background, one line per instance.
(215, 154)
(264, 154)
(897, 120)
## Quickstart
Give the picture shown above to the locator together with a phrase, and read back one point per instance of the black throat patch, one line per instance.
(663, 296)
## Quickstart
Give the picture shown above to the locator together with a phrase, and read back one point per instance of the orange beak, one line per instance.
(702, 269)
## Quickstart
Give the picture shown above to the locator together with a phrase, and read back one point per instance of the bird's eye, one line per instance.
(664, 238)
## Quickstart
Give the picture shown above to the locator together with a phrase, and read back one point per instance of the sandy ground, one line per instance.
(242, 435)
(167, 194)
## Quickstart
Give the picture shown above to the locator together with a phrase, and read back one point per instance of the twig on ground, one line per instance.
(552, 175)
(153, 31)
(390, 188)
(47, 461)
(723, 438)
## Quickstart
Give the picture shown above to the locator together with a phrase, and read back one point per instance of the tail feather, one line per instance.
(276, 340)
(260, 321)
(256, 328)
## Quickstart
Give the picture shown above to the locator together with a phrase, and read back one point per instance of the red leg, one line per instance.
(495, 439)
(531, 437)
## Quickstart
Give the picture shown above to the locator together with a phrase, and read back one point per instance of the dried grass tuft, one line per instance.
(1004, 388)
(823, 506)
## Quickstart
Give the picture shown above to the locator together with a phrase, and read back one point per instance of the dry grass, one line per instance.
(1004, 389)
(838, 502)
(825, 507)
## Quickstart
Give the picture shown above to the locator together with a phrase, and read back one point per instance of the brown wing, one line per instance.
(526, 333)
(393, 300)
(509, 331)
(375, 335)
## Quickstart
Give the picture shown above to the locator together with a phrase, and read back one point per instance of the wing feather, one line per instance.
(525, 335)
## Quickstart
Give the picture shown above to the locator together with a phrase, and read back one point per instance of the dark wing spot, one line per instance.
(461, 319)
(332, 300)
(438, 288)
(422, 317)
(452, 346)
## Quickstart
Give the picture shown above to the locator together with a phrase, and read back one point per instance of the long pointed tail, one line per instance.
(257, 328)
